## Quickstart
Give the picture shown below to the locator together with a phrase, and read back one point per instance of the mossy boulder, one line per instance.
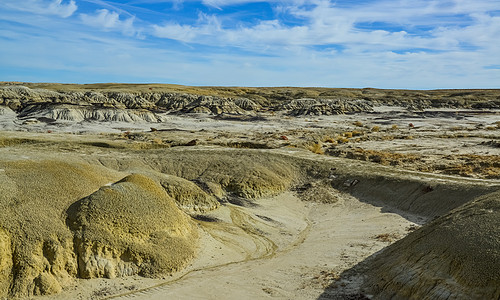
(131, 227)
(36, 246)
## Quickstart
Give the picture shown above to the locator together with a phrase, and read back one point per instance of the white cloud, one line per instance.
(54, 7)
(221, 3)
(109, 20)
(325, 47)
(85, 58)
(205, 29)
(328, 24)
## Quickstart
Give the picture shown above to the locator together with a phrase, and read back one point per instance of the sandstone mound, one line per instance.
(217, 106)
(242, 173)
(188, 196)
(52, 231)
(248, 173)
(131, 227)
(36, 247)
(457, 256)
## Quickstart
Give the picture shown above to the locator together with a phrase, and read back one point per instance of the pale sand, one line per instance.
(288, 249)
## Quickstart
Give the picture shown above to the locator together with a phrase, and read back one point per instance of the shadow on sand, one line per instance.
(418, 201)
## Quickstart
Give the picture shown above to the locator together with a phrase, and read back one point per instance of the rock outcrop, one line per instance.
(132, 104)
(320, 107)
(188, 196)
(240, 173)
(131, 227)
(36, 247)
(78, 113)
(66, 219)
(456, 256)
(116, 106)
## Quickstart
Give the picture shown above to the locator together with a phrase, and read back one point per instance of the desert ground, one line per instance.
(116, 191)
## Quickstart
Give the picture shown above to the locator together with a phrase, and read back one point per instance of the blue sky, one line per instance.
(413, 44)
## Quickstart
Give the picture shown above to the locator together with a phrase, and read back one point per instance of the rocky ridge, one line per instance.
(101, 104)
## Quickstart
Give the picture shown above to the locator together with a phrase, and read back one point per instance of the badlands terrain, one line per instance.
(121, 191)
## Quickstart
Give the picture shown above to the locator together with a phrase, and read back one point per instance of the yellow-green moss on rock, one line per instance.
(5, 262)
(131, 227)
(188, 196)
(36, 246)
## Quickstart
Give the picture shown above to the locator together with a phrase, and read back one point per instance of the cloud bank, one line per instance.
(378, 43)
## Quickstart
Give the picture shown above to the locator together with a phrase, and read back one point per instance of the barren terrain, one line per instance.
(158, 191)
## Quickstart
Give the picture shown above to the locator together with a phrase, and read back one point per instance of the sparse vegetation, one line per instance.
(317, 148)
(342, 140)
(330, 140)
(484, 166)
(357, 133)
(348, 134)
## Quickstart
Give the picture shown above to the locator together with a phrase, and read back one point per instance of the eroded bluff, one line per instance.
(80, 106)
(457, 256)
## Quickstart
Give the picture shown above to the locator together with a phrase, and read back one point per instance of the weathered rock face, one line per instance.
(218, 106)
(188, 196)
(5, 262)
(326, 106)
(46, 284)
(213, 100)
(36, 247)
(136, 105)
(77, 113)
(248, 175)
(131, 227)
(115, 106)
(457, 256)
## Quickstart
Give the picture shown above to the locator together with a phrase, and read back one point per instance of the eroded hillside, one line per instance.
(145, 190)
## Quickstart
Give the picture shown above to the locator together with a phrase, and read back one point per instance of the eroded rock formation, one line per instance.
(131, 227)
(457, 256)
(82, 218)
